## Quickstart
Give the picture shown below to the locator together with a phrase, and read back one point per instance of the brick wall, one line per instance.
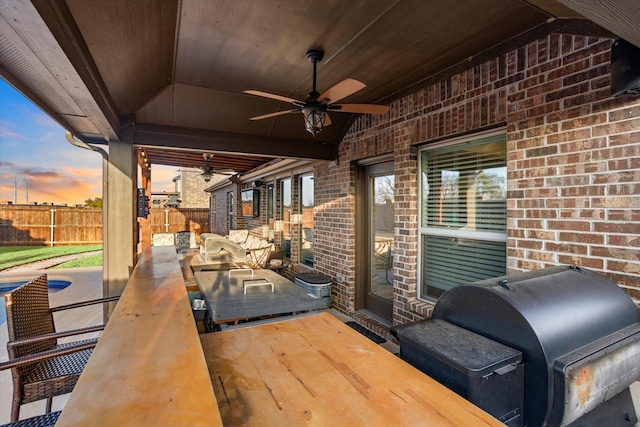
(258, 226)
(193, 194)
(219, 212)
(573, 167)
(574, 164)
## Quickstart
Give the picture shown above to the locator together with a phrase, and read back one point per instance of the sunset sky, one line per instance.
(35, 152)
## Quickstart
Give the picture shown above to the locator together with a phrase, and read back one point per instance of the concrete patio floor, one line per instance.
(86, 283)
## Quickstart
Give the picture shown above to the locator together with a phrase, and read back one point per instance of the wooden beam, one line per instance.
(620, 17)
(147, 135)
(33, 97)
(91, 94)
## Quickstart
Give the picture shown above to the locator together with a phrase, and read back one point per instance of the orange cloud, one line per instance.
(49, 187)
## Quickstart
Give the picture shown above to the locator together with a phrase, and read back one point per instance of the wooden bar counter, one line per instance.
(148, 368)
(315, 370)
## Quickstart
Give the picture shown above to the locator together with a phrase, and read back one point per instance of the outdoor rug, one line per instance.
(366, 332)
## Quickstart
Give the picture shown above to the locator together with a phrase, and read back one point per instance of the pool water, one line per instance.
(53, 285)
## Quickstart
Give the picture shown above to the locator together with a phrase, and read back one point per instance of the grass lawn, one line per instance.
(87, 261)
(18, 255)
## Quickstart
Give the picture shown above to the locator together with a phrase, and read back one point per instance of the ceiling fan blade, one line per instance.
(273, 96)
(342, 90)
(277, 113)
(360, 108)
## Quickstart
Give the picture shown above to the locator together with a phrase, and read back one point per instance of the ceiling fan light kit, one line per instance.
(315, 107)
(314, 119)
(207, 170)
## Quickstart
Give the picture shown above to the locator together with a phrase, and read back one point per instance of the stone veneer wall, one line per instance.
(573, 159)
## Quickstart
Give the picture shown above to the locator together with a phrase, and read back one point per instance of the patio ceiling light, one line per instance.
(314, 117)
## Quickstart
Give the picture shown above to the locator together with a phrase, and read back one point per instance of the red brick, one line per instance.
(581, 261)
(625, 113)
(586, 238)
(625, 138)
(583, 191)
(542, 256)
(542, 193)
(617, 127)
(569, 225)
(584, 121)
(615, 227)
(632, 215)
(624, 267)
(566, 248)
(615, 252)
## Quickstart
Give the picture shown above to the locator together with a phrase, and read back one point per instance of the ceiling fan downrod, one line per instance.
(315, 56)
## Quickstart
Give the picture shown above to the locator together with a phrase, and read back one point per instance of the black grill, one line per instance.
(579, 335)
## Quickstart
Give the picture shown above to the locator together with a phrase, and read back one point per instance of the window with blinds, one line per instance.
(463, 213)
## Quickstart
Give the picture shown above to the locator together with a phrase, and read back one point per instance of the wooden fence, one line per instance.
(41, 225)
(172, 220)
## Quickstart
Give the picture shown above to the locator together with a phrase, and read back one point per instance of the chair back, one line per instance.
(163, 239)
(186, 240)
(259, 256)
(238, 236)
(28, 315)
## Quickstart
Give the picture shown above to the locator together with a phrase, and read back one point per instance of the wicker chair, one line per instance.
(258, 257)
(53, 369)
(45, 420)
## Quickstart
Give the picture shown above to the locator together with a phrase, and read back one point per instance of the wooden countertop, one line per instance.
(148, 368)
(315, 370)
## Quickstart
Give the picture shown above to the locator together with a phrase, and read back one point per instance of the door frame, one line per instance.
(362, 222)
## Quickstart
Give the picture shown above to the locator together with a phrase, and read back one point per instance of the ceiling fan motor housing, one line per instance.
(315, 55)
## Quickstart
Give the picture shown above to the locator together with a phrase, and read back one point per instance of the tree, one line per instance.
(94, 203)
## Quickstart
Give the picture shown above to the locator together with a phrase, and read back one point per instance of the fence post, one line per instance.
(53, 214)
(166, 220)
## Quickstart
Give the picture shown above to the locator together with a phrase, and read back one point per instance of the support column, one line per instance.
(119, 235)
(145, 223)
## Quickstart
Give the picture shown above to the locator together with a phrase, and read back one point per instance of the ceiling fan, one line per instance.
(208, 170)
(316, 106)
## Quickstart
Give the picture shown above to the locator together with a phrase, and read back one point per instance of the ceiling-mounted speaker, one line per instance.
(625, 68)
(257, 183)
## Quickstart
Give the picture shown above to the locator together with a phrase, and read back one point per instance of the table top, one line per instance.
(226, 298)
(148, 368)
(315, 370)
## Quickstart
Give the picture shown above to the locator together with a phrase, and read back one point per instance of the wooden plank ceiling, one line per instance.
(170, 75)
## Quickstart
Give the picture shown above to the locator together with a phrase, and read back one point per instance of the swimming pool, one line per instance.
(53, 285)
